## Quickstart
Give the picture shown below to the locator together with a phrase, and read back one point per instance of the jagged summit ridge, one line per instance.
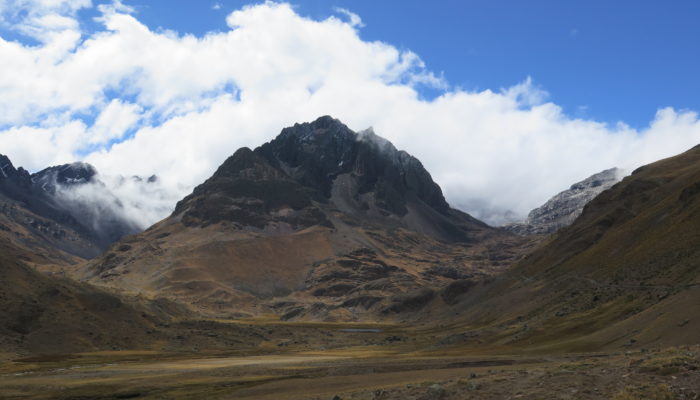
(76, 173)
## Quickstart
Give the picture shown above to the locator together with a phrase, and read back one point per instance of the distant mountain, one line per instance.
(625, 273)
(321, 222)
(60, 214)
(53, 178)
(562, 209)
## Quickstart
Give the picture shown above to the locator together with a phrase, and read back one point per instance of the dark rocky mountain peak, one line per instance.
(317, 153)
(325, 127)
(76, 173)
(11, 175)
(314, 168)
(6, 167)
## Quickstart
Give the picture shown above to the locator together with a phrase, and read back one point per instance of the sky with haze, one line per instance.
(506, 103)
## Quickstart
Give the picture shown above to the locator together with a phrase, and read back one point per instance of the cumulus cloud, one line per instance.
(36, 147)
(53, 23)
(113, 121)
(134, 101)
(355, 19)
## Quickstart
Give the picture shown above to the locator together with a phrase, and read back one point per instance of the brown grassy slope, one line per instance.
(37, 241)
(41, 314)
(627, 272)
(351, 272)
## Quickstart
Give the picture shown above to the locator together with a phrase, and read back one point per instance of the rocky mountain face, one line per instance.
(563, 209)
(285, 183)
(373, 163)
(51, 179)
(625, 273)
(320, 223)
(60, 214)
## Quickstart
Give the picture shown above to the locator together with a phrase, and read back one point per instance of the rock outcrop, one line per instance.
(563, 209)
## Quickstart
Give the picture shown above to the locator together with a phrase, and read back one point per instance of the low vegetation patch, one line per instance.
(646, 392)
(668, 365)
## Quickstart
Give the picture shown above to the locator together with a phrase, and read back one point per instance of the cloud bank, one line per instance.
(136, 101)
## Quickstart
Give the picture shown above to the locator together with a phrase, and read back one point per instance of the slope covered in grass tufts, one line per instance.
(625, 273)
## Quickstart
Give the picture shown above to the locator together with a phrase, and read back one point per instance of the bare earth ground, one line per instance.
(388, 364)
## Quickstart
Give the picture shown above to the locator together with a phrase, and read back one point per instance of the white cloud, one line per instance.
(188, 102)
(113, 122)
(43, 20)
(355, 19)
(35, 148)
(140, 201)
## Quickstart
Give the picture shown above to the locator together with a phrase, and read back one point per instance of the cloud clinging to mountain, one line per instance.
(134, 101)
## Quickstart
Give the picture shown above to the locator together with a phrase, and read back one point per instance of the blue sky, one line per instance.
(505, 103)
(607, 60)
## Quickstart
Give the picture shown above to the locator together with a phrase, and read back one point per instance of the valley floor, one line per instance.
(381, 368)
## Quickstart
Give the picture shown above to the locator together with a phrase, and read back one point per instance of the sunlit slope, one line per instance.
(625, 273)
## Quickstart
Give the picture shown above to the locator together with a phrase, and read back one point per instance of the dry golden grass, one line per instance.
(645, 392)
(358, 373)
(669, 364)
